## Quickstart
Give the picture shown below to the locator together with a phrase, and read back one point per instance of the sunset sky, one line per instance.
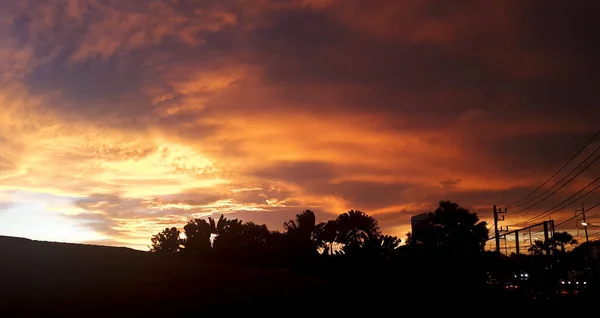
(120, 118)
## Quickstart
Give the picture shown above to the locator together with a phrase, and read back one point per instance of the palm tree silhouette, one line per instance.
(299, 234)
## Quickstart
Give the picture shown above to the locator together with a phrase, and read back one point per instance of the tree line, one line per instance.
(446, 250)
(352, 234)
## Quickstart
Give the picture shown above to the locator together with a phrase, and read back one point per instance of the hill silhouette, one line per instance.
(75, 280)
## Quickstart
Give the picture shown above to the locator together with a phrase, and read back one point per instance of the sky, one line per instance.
(121, 118)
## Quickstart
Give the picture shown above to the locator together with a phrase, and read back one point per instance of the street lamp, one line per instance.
(584, 223)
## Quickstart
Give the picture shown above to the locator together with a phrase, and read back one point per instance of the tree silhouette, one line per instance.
(326, 235)
(586, 250)
(382, 245)
(276, 251)
(228, 234)
(166, 241)
(355, 228)
(276, 241)
(537, 248)
(389, 242)
(300, 235)
(253, 238)
(197, 237)
(218, 226)
(410, 240)
(452, 228)
(563, 238)
(302, 226)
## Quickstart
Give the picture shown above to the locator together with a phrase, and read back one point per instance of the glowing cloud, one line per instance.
(119, 118)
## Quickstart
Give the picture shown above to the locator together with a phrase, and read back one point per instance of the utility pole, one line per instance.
(496, 219)
(546, 242)
(496, 229)
(530, 239)
(517, 241)
(584, 221)
(553, 240)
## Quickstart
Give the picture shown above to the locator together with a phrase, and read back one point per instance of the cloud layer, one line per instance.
(143, 114)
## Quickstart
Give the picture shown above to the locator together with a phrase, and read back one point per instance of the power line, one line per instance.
(576, 216)
(595, 235)
(569, 219)
(549, 211)
(558, 189)
(488, 224)
(573, 201)
(559, 170)
(559, 181)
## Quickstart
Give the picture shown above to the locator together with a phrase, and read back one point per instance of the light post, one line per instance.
(586, 224)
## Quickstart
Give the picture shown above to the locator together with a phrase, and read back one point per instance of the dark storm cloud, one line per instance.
(364, 196)
(388, 75)
(547, 150)
(94, 83)
(317, 178)
(303, 173)
(310, 49)
(313, 48)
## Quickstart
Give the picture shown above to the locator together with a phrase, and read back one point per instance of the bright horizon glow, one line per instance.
(31, 217)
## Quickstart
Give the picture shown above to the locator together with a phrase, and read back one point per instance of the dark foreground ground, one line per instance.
(41, 279)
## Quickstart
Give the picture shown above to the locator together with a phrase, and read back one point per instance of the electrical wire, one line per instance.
(576, 216)
(594, 235)
(558, 182)
(549, 211)
(558, 189)
(559, 170)
(489, 225)
(573, 201)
